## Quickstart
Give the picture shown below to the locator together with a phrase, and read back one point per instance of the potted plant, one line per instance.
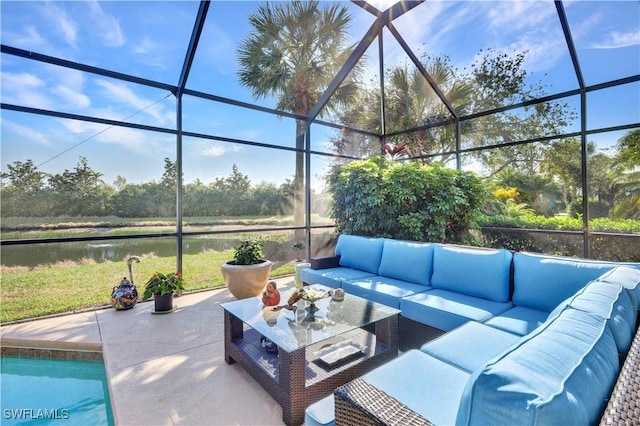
(298, 264)
(162, 287)
(247, 274)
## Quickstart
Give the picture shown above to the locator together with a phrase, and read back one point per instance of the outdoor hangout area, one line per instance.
(320, 212)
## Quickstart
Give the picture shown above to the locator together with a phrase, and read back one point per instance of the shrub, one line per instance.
(412, 201)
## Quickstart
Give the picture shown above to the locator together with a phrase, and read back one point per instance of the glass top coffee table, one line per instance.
(318, 350)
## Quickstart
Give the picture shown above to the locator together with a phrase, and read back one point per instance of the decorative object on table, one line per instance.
(308, 294)
(247, 274)
(338, 295)
(299, 264)
(162, 287)
(268, 345)
(271, 295)
(339, 352)
(125, 295)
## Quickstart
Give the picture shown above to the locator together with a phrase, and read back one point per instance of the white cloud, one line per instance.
(65, 24)
(25, 133)
(213, 151)
(30, 38)
(75, 98)
(106, 26)
(24, 89)
(615, 39)
(119, 92)
(218, 150)
(126, 138)
(516, 16)
(145, 46)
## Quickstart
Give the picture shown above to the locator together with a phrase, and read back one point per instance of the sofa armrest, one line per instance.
(624, 401)
(325, 262)
(361, 403)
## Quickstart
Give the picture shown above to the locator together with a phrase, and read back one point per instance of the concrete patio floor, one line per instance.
(162, 369)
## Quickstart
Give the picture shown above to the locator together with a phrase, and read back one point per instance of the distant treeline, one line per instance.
(80, 192)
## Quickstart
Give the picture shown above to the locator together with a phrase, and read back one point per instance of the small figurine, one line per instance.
(271, 295)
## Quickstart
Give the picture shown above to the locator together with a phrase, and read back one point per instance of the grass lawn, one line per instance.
(28, 293)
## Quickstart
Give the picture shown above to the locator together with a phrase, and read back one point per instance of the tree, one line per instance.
(82, 191)
(562, 162)
(294, 51)
(24, 177)
(411, 102)
(627, 199)
(500, 80)
(170, 176)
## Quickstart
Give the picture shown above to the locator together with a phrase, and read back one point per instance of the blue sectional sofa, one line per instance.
(523, 338)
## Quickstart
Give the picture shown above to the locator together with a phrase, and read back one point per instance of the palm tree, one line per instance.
(411, 102)
(294, 52)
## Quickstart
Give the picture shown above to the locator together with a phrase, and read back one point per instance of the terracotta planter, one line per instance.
(245, 281)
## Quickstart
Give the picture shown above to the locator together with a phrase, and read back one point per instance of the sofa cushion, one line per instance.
(470, 346)
(613, 304)
(446, 310)
(473, 271)
(428, 386)
(385, 290)
(518, 320)
(627, 277)
(408, 261)
(542, 282)
(321, 413)
(562, 373)
(332, 277)
(360, 252)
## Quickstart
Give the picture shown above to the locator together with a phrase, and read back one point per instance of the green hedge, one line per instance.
(622, 245)
(411, 201)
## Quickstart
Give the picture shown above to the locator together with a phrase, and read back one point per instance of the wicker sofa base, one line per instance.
(624, 403)
(359, 403)
(413, 334)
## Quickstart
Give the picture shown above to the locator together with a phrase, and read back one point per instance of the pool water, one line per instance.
(39, 391)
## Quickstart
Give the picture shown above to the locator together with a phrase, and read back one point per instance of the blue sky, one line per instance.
(149, 39)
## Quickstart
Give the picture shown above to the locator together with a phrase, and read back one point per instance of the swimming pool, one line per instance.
(54, 391)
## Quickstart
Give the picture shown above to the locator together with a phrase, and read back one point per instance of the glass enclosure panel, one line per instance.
(222, 120)
(219, 66)
(343, 141)
(235, 180)
(205, 254)
(525, 36)
(320, 196)
(70, 276)
(606, 37)
(614, 181)
(547, 242)
(61, 181)
(615, 106)
(521, 124)
(615, 247)
(45, 86)
(145, 39)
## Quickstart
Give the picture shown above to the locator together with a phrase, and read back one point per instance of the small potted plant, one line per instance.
(162, 287)
(247, 274)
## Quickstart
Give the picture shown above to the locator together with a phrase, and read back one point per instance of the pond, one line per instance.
(101, 251)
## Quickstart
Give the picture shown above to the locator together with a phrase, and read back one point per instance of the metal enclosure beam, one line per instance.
(586, 249)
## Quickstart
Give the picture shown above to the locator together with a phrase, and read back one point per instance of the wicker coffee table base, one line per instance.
(297, 379)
